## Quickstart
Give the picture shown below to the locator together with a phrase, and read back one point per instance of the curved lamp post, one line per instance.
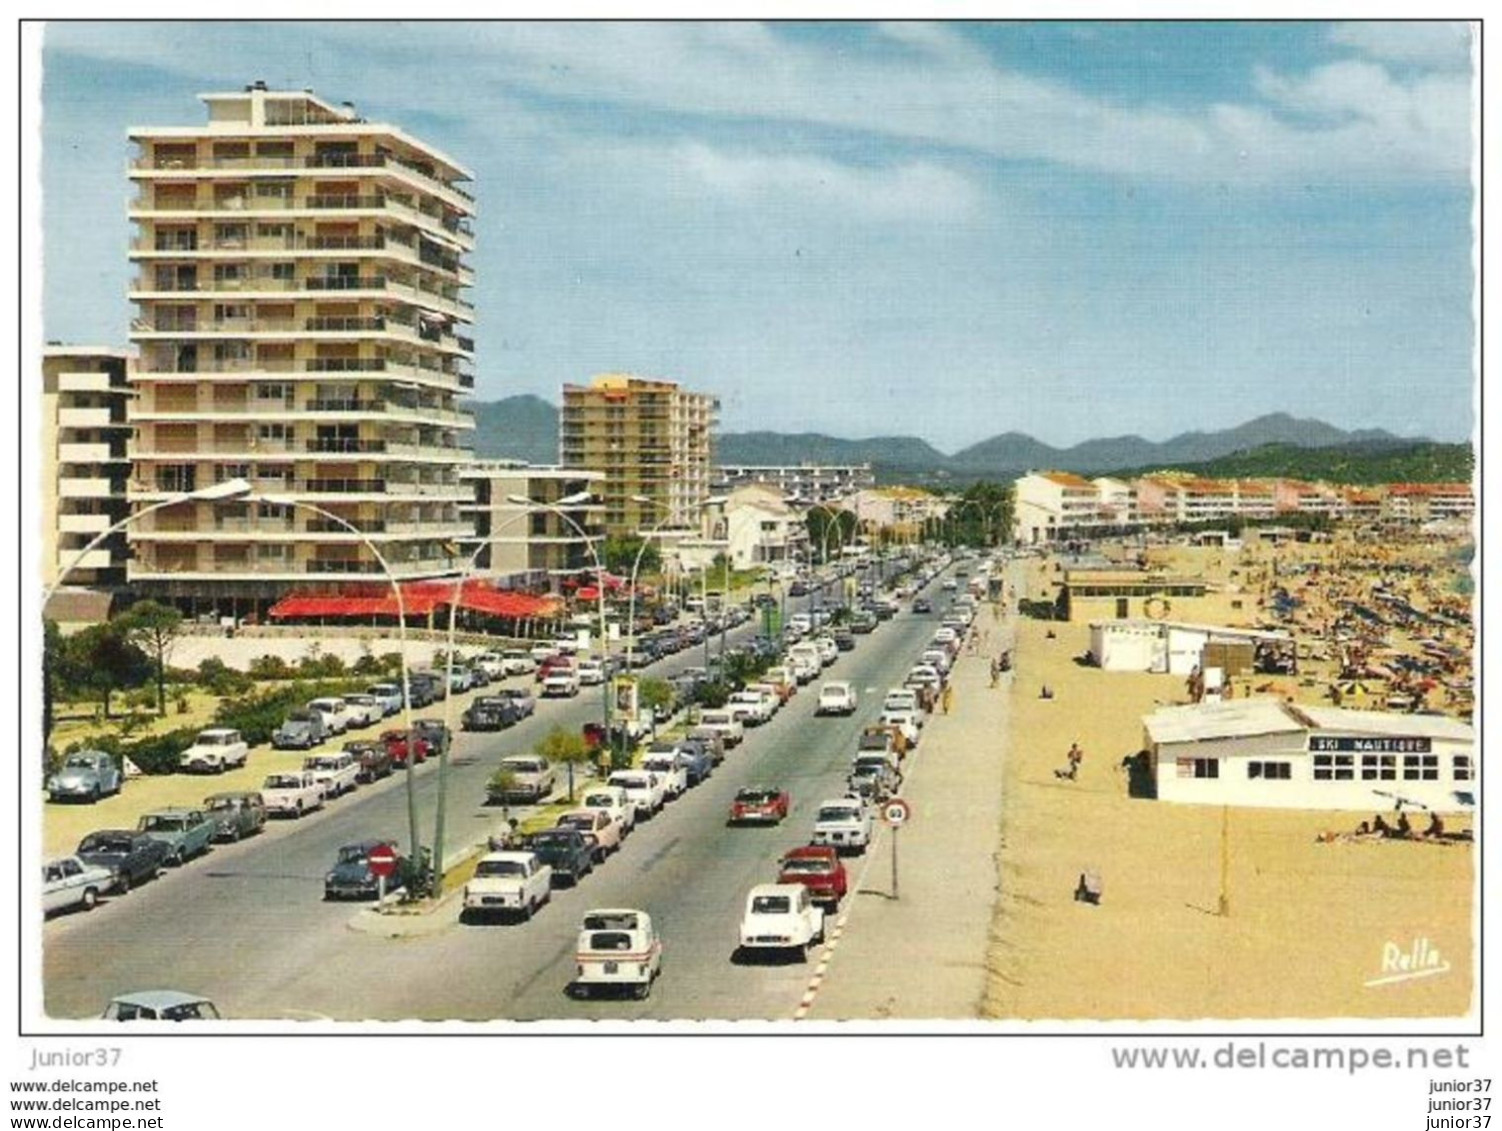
(465, 573)
(636, 567)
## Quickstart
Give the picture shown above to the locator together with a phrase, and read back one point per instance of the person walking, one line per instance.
(995, 670)
(947, 697)
(1076, 756)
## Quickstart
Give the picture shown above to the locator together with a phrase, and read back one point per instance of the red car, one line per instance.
(759, 803)
(817, 867)
(545, 667)
(396, 746)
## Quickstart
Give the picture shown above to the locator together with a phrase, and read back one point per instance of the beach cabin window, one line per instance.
(1198, 767)
(1278, 771)
(1379, 767)
(1334, 767)
(1461, 767)
(1420, 767)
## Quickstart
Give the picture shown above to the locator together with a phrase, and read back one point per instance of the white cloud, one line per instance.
(1432, 44)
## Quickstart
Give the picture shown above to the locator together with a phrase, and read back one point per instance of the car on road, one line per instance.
(214, 751)
(781, 917)
(336, 713)
(829, 651)
(185, 832)
(372, 758)
(69, 883)
(843, 639)
(364, 710)
(673, 773)
(724, 723)
(692, 757)
(643, 789)
(561, 682)
(613, 801)
(874, 778)
(388, 695)
(523, 778)
(902, 699)
(818, 868)
(906, 723)
(837, 698)
(489, 712)
(434, 733)
(759, 804)
(617, 948)
(397, 745)
(292, 794)
(844, 824)
(302, 729)
(160, 1005)
(601, 828)
(922, 605)
(591, 672)
(507, 882)
(752, 708)
(351, 877)
(132, 856)
(338, 773)
(85, 775)
(521, 698)
(237, 814)
(566, 849)
(493, 664)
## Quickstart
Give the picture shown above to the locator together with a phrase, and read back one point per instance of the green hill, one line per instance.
(1358, 464)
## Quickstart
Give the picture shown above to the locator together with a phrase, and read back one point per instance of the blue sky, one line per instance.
(947, 230)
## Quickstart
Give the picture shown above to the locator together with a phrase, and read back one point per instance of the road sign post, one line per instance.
(895, 813)
(382, 862)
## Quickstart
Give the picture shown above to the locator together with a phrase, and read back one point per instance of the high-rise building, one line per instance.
(652, 439)
(300, 275)
(802, 483)
(84, 464)
(532, 539)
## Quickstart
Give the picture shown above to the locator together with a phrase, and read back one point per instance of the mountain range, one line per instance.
(526, 427)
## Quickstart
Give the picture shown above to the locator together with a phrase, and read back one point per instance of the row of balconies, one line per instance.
(372, 489)
(418, 291)
(150, 408)
(160, 203)
(174, 164)
(179, 325)
(177, 243)
(155, 368)
(224, 566)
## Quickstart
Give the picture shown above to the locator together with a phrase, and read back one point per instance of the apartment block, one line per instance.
(1047, 504)
(801, 484)
(652, 439)
(522, 539)
(85, 464)
(301, 324)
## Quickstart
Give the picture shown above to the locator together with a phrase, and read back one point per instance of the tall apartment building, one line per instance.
(526, 540)
(85, 464)
(802, 483)
(300, 275)
(652, 439)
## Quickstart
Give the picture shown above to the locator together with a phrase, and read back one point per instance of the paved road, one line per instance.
(248, 928)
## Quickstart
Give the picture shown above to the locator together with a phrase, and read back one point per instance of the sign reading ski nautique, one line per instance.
(1382, 744)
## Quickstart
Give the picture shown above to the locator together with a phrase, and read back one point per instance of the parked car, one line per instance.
(561, 682)
(336, 713)
(523, 778)
(388, 695)
(674, 775)
(837, 698)
(617, 948)
(843, 639)
(185, 832)
(489, 712)
(398, 746)
(292, 794)
(922, 605)
(819, 869)
(568, 850)
(644, 790)
(712, 741)
(160, 1005)
(373, 759)
(434, 733)
(613, 801)
(591, 672)
(844, 824)
(724, 723)
(85, 775)
(302, 729)
(781, 917)
(752, 708)
(214, 751)
(492, 664)
(521, 698)
(338, 773)
(507, 882)
(460, 680)
(364, 710)
(132, 856)
(69, 883)
(421, 692)
(692, 757)
(759, 803)
(351, 877)
(236, 815)
(601, 829)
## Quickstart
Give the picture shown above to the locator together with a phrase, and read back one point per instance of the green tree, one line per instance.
(981, 516)
(566, 747)
(619, 556)
(654, 694)
(104, 661)
(154, 628)
(826, 530)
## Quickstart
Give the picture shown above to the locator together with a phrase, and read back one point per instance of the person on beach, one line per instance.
(1076, 756)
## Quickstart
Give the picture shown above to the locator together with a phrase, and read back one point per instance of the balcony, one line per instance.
(86, 383)
(83, 523)
(85, 418)
(88, 453)
(86, 489)
(94, 559)
(353, 161)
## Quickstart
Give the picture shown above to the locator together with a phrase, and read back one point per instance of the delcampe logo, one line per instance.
(1420, 960)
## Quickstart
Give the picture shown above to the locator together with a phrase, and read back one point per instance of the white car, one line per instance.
(293, 793)
(617, 948)
(643, 789)
(844, 823)
(837, 698)
(215, 751)
(70, 882)
(541, 651)
(612, 799)
(388, 695)
(924, 675)
(365, 710)
(491, 664)
(829, 651)
(338, 773)
(781, 917)
(672, 773)
(908, 722)
(724, 723)
(751, 707)
(516, 661)
(561, 683)
(508, 881)
(590, 673)
(902, 699)
(937, 658)
(802, 622)
(335, 712)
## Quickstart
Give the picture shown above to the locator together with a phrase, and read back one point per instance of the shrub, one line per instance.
(153, 754)
(216, 676)
(270, 667)
(315, 666)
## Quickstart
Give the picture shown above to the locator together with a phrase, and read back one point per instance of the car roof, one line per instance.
(793, 890)
(159, 999)
(513, 857)
(811, 851)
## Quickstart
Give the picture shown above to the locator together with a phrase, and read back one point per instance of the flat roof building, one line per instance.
(519, 540)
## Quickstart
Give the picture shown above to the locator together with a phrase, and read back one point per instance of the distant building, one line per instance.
(1121, 594)
(651, 440)
(85, 464)
(1049, 505)
(895, 513)
(519, 540)
(1298, 497)
(754, 524)
(1270, 753)
(1424, 502)
(801, 484)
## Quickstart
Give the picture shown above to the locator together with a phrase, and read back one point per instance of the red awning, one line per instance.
(588, 593)
(419, 598)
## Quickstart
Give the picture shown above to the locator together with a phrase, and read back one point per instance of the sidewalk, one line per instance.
(922, 956)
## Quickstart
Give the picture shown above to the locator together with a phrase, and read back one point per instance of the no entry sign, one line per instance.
(895, 812)
(382, 861)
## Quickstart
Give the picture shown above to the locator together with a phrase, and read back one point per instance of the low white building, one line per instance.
(752, 524)
(1172, 647)
(1273, 754)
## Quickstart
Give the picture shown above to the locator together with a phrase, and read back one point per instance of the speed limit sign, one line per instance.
(895, 812)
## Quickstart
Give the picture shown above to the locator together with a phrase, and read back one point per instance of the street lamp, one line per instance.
(636, 566)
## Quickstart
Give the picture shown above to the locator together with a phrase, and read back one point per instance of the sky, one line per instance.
(947, 230)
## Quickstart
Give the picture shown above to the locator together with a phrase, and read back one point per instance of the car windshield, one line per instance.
(874, 742)
(756, 796)
(353, 854)
(838, 813)
(771, 905)
(155, 824)
(323, 763)
(806, 866)
(211, 739)
(220, 804)
(551, 840)
(79, 762)
(501, 868)
(283, 781)
(190, 1011)
(661, 765)
(105, 844)
(599, 801)
(576, 821)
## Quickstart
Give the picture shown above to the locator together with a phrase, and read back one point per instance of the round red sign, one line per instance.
(382, 861)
